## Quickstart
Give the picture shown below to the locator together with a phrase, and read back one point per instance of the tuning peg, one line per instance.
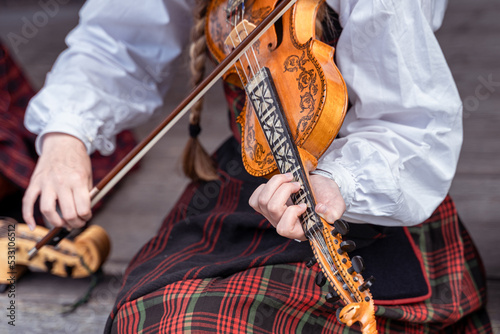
(341, 227)
(346, 246)
(367, 284)
(320, 279)
(358, 265)
(332, 297)
(311, 262)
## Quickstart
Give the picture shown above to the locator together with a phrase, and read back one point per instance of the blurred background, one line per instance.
(470, 39)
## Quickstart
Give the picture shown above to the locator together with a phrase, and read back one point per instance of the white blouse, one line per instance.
(400, 140)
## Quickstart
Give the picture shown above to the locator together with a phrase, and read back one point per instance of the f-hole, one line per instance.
(278, 28)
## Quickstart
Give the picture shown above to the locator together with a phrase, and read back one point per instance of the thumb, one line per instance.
(327, 213)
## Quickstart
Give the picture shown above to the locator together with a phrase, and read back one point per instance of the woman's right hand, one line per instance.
(62, 179)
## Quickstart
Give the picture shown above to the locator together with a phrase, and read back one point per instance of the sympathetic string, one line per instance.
(310, 217)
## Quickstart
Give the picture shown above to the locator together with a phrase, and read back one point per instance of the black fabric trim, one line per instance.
(391, 259)
(194, 130)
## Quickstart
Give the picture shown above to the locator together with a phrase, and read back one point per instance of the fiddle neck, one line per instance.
(291, 159)
(262, 94)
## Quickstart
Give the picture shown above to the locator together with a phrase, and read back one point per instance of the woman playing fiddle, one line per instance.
(216, 265)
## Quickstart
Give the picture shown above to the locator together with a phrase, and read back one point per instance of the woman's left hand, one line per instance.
(272, 200)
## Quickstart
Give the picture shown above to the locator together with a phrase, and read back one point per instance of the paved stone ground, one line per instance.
(469, 38)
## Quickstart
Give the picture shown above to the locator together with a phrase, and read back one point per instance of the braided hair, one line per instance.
(196, 162)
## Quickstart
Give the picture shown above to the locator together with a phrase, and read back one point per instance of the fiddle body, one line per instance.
(305, 69)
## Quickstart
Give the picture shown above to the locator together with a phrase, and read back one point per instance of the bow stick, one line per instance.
(124, 166)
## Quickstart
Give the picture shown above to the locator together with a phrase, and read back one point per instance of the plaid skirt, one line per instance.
(217, 266)
(17, 149)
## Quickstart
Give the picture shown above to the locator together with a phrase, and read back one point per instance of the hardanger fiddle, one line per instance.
(296, 103)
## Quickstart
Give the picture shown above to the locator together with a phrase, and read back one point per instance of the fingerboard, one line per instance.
(262, 94)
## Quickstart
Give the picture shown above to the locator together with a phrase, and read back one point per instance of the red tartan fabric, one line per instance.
(17, 153)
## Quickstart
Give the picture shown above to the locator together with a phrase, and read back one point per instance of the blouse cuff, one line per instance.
(70, 124)
(342, 177)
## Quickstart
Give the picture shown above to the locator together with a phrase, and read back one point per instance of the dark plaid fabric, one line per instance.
(216, 266)
(16, 157)
(17, 153)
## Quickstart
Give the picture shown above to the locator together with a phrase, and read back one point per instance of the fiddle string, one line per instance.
(253, 52)
(316, 236)
(241, 64)
(324, 249)
(250, 64)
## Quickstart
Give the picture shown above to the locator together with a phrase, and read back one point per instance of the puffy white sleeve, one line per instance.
(114, 73)
(401, 138)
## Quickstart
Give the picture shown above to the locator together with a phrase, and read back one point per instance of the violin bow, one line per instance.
(123, 167)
